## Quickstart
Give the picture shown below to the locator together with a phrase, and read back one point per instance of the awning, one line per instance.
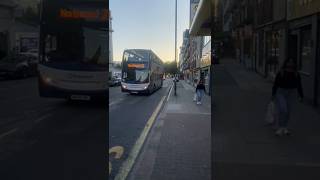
(201, 24)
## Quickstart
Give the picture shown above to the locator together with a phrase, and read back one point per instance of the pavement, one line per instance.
(44, 138)
(178, 145)
(243, 147)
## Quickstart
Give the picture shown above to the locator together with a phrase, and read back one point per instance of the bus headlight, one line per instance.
(145, 87)
(46, 79)
(124, 86)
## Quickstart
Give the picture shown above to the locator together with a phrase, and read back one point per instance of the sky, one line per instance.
(148, 24)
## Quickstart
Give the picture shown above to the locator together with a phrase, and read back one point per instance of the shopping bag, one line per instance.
(195, 97)
(271, 113)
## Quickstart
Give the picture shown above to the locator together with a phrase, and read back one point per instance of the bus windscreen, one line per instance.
(76, 33)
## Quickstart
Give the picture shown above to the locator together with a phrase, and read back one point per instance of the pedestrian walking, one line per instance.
(200, 90)
(287, 82)
(195, 81)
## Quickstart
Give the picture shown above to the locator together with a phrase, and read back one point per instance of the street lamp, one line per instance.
(175, 50)
(175, 46)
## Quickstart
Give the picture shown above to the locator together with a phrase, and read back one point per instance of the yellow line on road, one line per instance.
(128, 164)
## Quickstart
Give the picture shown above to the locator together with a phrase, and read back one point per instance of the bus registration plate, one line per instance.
(80, 97)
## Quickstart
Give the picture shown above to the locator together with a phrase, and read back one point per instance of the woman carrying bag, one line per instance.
(286, 83)
(200, 90)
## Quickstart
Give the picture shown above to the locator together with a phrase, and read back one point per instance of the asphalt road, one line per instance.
(43, 138)
(128, 115)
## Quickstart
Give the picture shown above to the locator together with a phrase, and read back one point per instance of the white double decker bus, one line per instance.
(73, 49)
(142, 71)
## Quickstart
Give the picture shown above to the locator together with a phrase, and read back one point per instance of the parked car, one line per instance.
(18, 66)
(114, 81)
(118, 81)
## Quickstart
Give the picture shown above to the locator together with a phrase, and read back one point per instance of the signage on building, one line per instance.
(300, 8)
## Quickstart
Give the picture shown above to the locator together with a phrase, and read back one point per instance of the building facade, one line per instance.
(16, 35)
(267, 32)
(195, 45)
(7, 20)
(201, 27)
(110, 39)
(185, 56)
(205, 62)
(270, 37)
(303, 43)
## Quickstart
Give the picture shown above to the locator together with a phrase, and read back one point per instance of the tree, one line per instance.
(170, 67)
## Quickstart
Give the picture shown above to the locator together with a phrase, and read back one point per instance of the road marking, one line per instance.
(41, 118)
(115, 102)
(128, 164)
(170, 93)
(118, 151)
(8, 133)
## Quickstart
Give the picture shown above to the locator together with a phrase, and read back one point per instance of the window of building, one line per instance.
(260, 47)
(273, 51)
(206, 39)
(305, 62)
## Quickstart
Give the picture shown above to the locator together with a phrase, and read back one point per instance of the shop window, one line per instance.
(273, 51)
(3, 44)
(261, 52)
(305, 62)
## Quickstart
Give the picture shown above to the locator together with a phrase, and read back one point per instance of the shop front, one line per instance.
(303, 44)
(201, 26)
(275, 50)
(301, 51)
(205, 64)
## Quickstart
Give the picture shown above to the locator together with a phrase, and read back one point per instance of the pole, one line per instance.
(175, 42)
(175, 49)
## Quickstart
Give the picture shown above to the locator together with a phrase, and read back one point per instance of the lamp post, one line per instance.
(175, 45)
(175, 50)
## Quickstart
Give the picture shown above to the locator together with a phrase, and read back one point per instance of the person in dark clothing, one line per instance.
(200, 90)
(287, 81)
